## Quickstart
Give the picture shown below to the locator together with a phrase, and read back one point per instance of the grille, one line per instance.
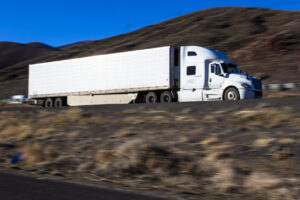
(257, 84)
(258, 93)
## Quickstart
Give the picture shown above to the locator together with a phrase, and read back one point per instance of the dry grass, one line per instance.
(125, 132)
(286, 141)
(104, 158)
(261, 181)
(178, 151)
(35, 153)
(268, 118)
(282, 95)
(210, 141)
(139, 157)
(73, 115)
(263, 142)
(19, 132)
(224, 178)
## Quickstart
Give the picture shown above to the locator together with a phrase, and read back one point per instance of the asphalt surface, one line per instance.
(20, 187)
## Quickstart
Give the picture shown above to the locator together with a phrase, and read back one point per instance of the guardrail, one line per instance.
(282, 86)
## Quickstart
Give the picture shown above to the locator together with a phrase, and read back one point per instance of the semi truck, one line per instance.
(157, 75)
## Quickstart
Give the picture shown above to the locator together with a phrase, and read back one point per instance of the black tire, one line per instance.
(48, 103)
(58, 102)
(232, 94)
(166, 97)
(151, 97)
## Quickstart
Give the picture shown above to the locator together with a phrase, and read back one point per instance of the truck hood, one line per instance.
(239, 77)
(242, 79)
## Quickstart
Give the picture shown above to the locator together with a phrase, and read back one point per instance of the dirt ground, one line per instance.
(213, 150)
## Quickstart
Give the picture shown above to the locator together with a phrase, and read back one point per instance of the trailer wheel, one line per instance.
(48, 103)
(232, 94)
(151, 97)
(58, 102)
(166, 97)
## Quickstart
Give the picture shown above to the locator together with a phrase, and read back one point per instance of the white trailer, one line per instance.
(164, 74)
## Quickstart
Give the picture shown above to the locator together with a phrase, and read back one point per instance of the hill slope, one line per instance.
(12, 53)
(263, 41)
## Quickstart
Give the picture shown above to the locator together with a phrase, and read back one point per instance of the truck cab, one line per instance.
(163, 74)
(209, 75)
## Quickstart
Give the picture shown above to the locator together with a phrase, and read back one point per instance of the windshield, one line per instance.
(230, 68)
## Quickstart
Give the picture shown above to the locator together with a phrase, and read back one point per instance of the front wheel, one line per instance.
(232, 94)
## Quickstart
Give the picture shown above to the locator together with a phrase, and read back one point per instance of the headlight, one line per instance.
(246, 85)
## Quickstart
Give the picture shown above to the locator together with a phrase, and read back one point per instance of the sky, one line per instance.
(61, 22)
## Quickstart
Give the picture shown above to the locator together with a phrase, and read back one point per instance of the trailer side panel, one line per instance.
(104, 74)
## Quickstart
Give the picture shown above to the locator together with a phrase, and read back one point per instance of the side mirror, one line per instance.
(247, 75)
(263, 77)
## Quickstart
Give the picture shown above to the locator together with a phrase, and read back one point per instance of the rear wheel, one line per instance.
(232, 94)
(151, 97)
(166, 97)
(58, 102)
(48, 103)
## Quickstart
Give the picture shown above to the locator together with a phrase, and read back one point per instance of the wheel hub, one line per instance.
(151, 99)
(166, 98)
(231, 95)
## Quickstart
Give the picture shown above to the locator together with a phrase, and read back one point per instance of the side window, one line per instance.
(212, 68)
(218, 69)
(192, 53)
(215, 68)
(191, 70)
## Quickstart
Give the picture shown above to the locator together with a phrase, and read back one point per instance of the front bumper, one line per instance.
(250, 94)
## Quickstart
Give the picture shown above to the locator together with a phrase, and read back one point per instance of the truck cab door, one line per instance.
(215, 79)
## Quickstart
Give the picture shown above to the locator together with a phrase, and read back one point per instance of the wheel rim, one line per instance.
(48, 104)
(231, 95)
(58, 104)
(166, 98)
(151, 99)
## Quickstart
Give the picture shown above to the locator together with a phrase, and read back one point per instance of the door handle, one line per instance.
(210, 80)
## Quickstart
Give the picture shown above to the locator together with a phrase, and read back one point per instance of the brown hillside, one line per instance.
(263, 41)
(12, 53)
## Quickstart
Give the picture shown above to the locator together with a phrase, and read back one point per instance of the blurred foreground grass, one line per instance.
(245, 153)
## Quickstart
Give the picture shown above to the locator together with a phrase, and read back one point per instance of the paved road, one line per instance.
(18, 187)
